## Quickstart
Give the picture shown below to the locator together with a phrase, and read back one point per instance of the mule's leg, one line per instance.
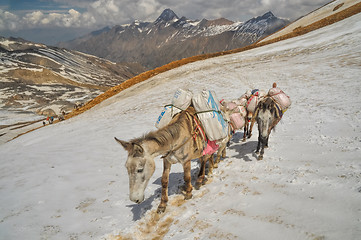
(218, 159)
(251, 127)
(221, 153)
(187, 180)
(266, 143)
(245, 129)
(218, 156)
(210, 165)
(165, 180)
(202, 172)
(259, 144)
(260, 157)
(244, 133)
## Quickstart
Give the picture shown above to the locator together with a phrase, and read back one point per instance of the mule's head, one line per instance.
(266, 118)
(227, 111)
(140, 166)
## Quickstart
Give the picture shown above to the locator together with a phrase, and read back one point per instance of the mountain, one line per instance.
(166, 16)
(258, 28)
(35, 76)
(170, 38)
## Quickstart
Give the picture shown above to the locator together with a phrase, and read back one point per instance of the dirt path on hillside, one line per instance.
(11, 131)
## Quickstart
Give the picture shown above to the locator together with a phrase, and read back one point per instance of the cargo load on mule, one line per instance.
(238, 114)
(181, 101)
(207, 108)
(280, 98)
(208, 111)
(254, 99)
(242, 101)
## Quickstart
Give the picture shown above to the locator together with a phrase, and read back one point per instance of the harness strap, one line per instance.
(209, 111)
(276, 93)
(171, 105)
(279, 111)
(198, 129)
(251, 98)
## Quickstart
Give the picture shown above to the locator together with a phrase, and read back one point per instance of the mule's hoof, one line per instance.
(256, 152)
(260, 158)
(243, 140)
(197, 186)
(215, 165)
(161, 210)
(188, 196)
(266, 146)
(205, 180)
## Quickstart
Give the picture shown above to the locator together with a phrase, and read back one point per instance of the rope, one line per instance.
(209, 111)
(171, 105)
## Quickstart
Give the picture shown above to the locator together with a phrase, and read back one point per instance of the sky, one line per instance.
(51, 21)
(69, 181)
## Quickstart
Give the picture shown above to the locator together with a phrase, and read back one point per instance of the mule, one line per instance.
(228, 108)
(267, 115)
(178, 142)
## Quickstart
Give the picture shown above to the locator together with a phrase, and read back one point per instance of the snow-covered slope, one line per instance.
(329, 9)
(68, 180)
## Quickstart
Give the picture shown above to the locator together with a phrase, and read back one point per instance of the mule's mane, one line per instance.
(169, 133)
(267, 103)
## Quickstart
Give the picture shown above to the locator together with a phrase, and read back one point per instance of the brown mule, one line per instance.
(178, 142)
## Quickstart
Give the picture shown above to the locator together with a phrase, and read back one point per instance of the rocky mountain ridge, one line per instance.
(35, 76)
(169, 38)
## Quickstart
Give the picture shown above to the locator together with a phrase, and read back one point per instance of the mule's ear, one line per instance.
(137, 150)
(126, 145)
(133, 148)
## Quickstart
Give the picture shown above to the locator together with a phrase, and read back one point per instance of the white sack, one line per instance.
(181, 101)
(166, 115)
(280, 97)
(208, 111)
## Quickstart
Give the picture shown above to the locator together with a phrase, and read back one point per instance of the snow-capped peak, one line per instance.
(167, 15)
(267, 15)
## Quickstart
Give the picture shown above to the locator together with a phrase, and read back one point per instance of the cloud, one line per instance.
(8, 20)
(98, 13)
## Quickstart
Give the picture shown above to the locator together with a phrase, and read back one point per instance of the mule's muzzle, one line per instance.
(137, 200)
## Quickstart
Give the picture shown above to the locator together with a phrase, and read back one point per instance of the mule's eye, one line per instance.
(140, 170)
